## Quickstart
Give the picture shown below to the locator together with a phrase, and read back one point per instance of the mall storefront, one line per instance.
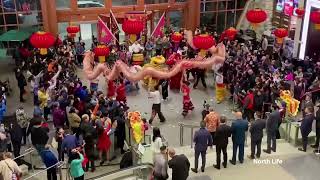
(55, 15)
(86, 12)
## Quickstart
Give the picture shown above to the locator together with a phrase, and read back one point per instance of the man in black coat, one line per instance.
(271, 127)
(316, 145)
(39, 136)
(256, 130)
(16, 138)
(222, 134)
(179, 164)
(306, 127)
(21, 83)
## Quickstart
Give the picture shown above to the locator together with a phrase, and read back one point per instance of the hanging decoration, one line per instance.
(43, 41)
(315, 19)
(72, 30)
(231, 33)
(101, 51)
(280, 33)
(203, 42)
(299, 12)
(256, 17)
(132, 27)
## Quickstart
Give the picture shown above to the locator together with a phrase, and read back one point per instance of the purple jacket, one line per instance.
(202, 139)
(58, 117)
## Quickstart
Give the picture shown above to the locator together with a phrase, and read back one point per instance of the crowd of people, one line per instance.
(82, 119)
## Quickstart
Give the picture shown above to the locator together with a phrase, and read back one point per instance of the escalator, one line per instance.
(139, 172)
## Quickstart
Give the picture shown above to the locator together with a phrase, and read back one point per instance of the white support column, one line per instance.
(305, 27)
(297, 34)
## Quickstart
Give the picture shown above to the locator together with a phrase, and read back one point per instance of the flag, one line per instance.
(158, 31)
(104, 33)
(114, 26)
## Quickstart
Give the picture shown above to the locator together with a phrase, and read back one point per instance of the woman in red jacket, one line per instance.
(111, 89)
(121, 92)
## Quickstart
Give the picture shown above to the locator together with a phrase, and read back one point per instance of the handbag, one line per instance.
(14, 176)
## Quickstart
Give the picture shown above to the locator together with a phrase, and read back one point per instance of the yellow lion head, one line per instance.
(134, 116)
(136, 125)
(157, 60)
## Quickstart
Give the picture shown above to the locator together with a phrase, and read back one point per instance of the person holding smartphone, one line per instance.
(76, 170)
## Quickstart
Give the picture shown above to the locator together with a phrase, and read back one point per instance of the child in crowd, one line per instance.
(145, 124)
(164, 87)
(187, 104)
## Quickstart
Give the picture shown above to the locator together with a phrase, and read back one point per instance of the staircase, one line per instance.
(266, 27)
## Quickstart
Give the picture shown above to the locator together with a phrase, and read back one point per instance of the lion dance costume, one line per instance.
(137, 126)
(220, 88)
(156, 62)
(291, 103)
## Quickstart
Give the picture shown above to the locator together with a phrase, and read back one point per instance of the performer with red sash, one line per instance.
(175, 80)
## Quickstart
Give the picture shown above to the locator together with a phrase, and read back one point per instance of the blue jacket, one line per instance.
(239, 128)
(203, 139)
(81, 93)
(48, 158)
(3, 109)
(69, 142)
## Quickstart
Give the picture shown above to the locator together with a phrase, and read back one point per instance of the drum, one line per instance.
(137, 59)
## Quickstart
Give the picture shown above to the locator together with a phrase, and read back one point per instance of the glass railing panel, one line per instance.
(138, 172)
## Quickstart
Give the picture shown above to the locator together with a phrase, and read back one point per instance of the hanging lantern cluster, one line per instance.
(132, 27)
(280, 33)
(72, 31)
(315, 19)
(176, 37)
(43, 41)
(203, 42)
(101, 51)
(231, 33)
(299, 12)
(256, 16)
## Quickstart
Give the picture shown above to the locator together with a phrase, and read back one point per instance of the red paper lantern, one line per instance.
(101, 51)
(231, 33)
(299, 12)
(132, 27)
(203, 42)
(315, 18)
(176, 37)
(72, 31)
(256, 16)
(280, 33)
(42, 40)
